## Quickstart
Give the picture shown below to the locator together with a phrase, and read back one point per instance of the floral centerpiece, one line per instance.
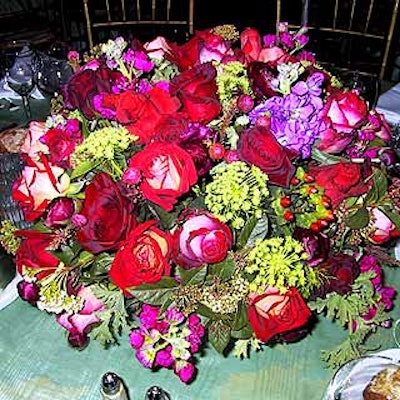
(228, 190)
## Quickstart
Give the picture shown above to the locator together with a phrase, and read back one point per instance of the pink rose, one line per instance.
(345, 111)
(60, 212)
(157, 48)
(200, 239)
(32, 145)
(79, 324)
(383, 229)
(40, 183)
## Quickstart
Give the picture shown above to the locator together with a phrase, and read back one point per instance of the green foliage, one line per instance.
(155, 293)
(113, 318)
(243, 348)
(219, 334)
(253, 230)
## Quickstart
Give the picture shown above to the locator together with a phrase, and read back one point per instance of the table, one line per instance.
(37, 363)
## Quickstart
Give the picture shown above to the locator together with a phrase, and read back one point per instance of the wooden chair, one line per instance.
(143, 19)
(346, 34)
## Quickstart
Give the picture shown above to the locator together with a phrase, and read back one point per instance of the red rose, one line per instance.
(200, 239)
(197, 90)
(108, 213)
(273, 313)
(259, 147)
(142, 112)
(85, 84)
(167, 170)
(34, 253)
(144, 257)
(341, 180)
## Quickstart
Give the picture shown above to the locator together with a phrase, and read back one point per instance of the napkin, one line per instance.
(10, 292)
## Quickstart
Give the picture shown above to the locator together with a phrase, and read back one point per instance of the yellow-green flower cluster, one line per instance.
(103, 144)
(281, 263)
(232, 80)
(54, 299)
(236, 193)
(7, 238)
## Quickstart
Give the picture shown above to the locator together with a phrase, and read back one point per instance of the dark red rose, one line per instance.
(167, 171)
(144, 257)
(34, 252)
(109, 215)
(85, 84)
(341, 180)
(273, 313)
(340, 272)
(259, 147)
(197, 90)
(315, 244)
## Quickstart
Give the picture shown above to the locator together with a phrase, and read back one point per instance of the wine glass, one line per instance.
(20, 79)
(50, 75)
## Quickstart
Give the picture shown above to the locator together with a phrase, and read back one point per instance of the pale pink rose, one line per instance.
(383, 228)
(39, 184)
(273, 54)
(157, 48)
(32, 145)
(79, 324)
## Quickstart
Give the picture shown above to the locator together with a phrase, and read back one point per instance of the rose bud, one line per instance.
(28, 291)
(245, 103)
(315, 244)
(200, 239)
(383, 229)
(61, 210)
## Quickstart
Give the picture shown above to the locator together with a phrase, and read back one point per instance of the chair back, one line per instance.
(142, 18)
(347, 34)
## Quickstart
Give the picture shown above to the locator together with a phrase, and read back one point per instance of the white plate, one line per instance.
(350, 380)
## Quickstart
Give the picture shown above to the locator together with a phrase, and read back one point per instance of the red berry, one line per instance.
(295, 181)
(216, 151)
(308, 178)
(285, 202)
(315, 227)
(288, 215)
(312, 189)
(245, 103)
(323, 223)
(330, 216)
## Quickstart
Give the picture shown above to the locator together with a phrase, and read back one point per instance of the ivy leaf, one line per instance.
(255, 228)
(154, 293)
(194, 276)
(83, 168)
(219, 335)
(359, 219)
(224, 269)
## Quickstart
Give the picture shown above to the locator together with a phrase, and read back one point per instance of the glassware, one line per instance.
(51, 74)
(156, 393)
(20, 79)
(352, 378)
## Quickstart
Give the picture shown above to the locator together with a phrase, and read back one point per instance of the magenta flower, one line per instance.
(185, 370)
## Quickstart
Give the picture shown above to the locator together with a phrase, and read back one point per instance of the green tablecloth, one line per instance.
(37, 363)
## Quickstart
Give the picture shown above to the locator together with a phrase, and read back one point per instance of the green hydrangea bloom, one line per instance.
(102, 146)
(236, 193)
(280, 262)
(232, 80)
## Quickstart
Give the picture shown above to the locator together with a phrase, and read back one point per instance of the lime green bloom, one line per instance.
(236, 193)
(7, 238)
(232, 80)
(280, 262)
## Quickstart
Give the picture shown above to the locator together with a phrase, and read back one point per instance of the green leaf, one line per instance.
(219, 335)
(224, 269)
(155, 293)
(194, 276)
(244, 333)
(358, 220)
(205, 311)
(254, 229)
(325, 158)
(83, 168)
(241, 321)
(393, 216)
(378, 189)
(102, 264)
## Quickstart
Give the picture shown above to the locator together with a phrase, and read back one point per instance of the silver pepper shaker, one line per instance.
(112, 387)
(156, 393)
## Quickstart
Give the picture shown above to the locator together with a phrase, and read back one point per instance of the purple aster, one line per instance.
(296, 117)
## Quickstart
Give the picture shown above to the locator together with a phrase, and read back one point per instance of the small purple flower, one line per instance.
(164, 358)
(28, 291)
(131, 176)
(185, 370)
(79, 220)
(148, 316)
(269, 40)
(174, 316)
(136, 339)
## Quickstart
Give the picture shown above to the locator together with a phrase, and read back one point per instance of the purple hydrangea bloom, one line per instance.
(296, 118)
